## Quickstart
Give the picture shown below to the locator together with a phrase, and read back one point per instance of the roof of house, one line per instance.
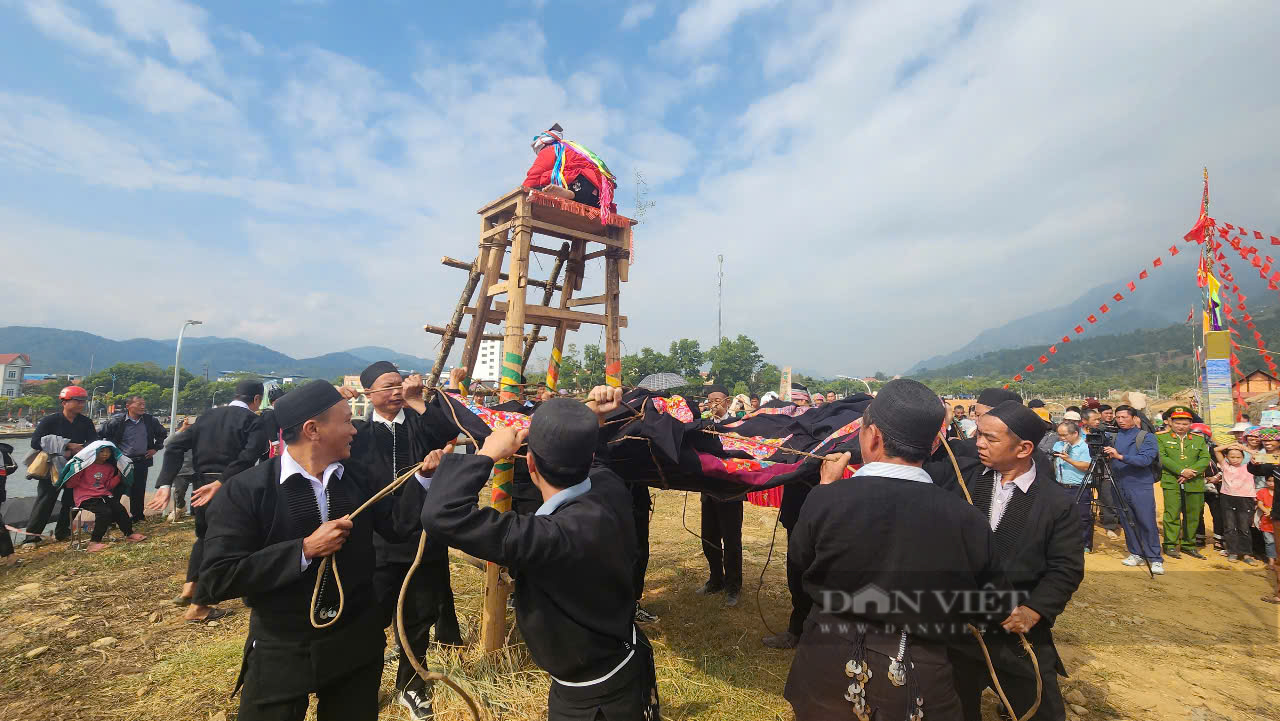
(1247, 375)
(7, 358)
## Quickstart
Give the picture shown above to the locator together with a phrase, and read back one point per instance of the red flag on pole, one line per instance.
(1191, 313)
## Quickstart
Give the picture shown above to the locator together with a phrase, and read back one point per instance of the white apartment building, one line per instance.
(489, 362)
(12, 368)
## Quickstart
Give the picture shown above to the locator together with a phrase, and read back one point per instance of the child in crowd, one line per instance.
(1237, 497)
(94, 490)
(1266, 499)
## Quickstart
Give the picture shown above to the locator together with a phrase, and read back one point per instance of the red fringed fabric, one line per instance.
(585, 211)
(771, 498)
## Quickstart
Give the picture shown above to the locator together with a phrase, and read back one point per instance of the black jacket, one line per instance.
(372, 452)
(1040, 549)
(80, 430)
(113, 430)
(224, 440)
(575, 600)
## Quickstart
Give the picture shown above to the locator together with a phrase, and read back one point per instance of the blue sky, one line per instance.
(290, 172)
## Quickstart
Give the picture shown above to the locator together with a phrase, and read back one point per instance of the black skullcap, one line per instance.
(302, 404)
(1022, 421)
(717, 388)
(1035, 403)
(798, 387)
(375, 371)
(563, 434)
(907, 413)
(993, 397)
(275, 394)
(248, 388)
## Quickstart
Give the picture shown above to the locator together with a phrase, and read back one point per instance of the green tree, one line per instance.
(687, 357)
(35, 406)
(638, 365)
(734, 360)
(767, 378)
(592, 373)
(880, 376)
(152, 393)
(128, 374)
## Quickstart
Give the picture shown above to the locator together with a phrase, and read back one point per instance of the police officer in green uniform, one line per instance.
(1184, 457)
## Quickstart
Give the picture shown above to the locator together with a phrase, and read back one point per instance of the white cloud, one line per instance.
(178, 24)
(162, 89)
(67, 25)
(707, 21)
(637, 14)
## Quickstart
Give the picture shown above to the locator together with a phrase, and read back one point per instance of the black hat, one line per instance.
(563, 435)
(375, 371)
(275, 394)
(716, 388)
(907, 413)
(1022, 421)
(993, 397)
(248, 388)
(302, 404)
(1035, 403)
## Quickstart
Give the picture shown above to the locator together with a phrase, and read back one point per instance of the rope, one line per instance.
(1026, 645)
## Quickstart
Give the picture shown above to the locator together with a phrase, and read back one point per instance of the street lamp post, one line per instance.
(95, 390)
(852, 378)
(177, 368)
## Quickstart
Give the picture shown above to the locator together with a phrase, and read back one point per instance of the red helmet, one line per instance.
(73, 393)
(1202, 429)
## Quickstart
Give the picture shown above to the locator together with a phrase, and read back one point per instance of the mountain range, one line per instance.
(53, 350)
(1162, 299)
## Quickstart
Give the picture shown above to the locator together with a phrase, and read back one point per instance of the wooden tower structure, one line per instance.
(509, 231)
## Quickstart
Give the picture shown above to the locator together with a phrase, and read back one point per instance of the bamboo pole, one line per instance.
(450, 331)
(546, 300)
(438, 330)
(612, 352)
(571, 276)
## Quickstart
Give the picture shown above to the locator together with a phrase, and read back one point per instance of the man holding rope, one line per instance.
(1041, 554)
(400, 432)
(270, 532)
(574, 558)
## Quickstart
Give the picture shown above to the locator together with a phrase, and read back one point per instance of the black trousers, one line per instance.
(197, 548)
(107, 510)
(972, 677)
(722, 541)
(1238, 513)
(641, 507)
(351, 697)
(1108, 513)
(46, 497)
(421, 610)
(1084, 508)
(138, 491)
(6, 543)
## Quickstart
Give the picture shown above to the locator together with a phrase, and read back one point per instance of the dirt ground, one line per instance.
(90, 637)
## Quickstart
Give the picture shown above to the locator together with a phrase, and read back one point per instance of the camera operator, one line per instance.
(1131, 466)
(1108, 518)
(1071, 460)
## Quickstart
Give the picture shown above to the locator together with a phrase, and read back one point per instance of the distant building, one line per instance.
(12, 369)
(488, 362)
(359, 404)
(1257, 383)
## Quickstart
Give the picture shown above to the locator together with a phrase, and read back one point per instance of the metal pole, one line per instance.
(177, 369)
(720, 299)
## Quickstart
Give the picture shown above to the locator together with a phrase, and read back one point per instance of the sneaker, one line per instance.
(783, 640)
(1112, 535)
(419, 707)
(1157, 568)
(1232, 557)
(643, 616)
(1133, 560)
(1222, 551)
(1246, 560)
(731, 599)
(709, 588)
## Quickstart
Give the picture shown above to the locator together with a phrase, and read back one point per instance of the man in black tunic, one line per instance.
(1041, 554)
(881, 553)
(401, 431)
(269, 530)
(224, 441)
(573, 558)
(721, 521)
(61, 435)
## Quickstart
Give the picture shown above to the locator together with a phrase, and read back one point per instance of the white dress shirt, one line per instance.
(390, 424)
(320, 486)
(894, 470)
(240, 404)
(1002, 493)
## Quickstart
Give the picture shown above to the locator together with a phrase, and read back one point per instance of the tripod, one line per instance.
(1100, 475)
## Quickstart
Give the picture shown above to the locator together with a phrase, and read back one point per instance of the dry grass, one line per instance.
(1196, 643)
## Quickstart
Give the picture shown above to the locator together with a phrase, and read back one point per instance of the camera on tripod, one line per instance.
(1097, 440)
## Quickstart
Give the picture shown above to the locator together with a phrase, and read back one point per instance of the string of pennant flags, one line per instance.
(1206, 227)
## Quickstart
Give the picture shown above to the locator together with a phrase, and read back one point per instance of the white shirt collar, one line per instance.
(240, 404)
(397, 420)
(1023, 481)
(563, 496)
(288, 467)
(894, 470)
